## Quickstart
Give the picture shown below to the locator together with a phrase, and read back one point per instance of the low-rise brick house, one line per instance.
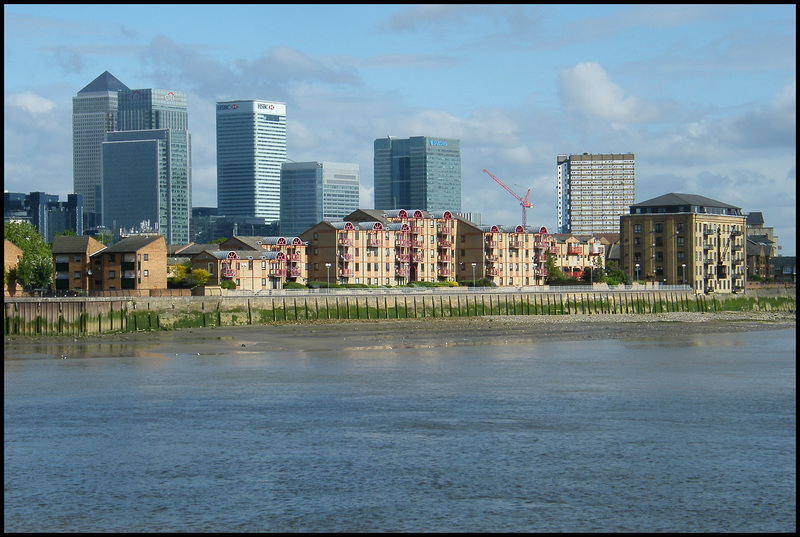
(137, 262)
(72, 261)
(12, 255)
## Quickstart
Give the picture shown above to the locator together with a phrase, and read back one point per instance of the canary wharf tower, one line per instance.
(251, 146)
(94, 113)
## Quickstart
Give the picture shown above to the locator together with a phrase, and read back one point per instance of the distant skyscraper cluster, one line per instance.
(593, 191)
(132, 158)
(132, 166)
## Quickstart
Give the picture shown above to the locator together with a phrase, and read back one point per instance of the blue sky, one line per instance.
(704, 96)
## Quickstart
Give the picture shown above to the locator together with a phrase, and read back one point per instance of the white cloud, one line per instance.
(587, 90)
(29, 102)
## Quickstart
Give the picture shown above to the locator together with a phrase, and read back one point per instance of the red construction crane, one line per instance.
(524, 202)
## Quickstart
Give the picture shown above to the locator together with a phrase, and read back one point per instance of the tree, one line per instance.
(36, 267)
(105, 237)
(595, 273)
(199, 277)
(615, 275)
(553, 272)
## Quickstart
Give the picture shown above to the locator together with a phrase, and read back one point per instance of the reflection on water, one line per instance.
(601, 435)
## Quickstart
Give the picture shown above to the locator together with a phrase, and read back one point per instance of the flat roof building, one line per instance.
(421, 172)
(251, 146)
(593, 190)
(315, 191)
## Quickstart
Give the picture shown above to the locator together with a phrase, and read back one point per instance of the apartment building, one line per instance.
(685, 239)
(138, 262)
(72, 260)
(255, 263)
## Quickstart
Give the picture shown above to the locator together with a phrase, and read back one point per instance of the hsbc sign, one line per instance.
(221, 107)
(252, 107)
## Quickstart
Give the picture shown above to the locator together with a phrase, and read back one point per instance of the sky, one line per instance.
(703, 95)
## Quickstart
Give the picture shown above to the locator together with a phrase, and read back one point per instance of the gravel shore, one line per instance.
(432, 332)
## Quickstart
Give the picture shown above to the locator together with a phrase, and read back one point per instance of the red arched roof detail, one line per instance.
(349, 226)
(297, 242)
(520, 229)
(232, 255)
(378, 226)
(418, 214)
(402, 213)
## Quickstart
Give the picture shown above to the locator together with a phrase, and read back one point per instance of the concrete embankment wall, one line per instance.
(86, 316)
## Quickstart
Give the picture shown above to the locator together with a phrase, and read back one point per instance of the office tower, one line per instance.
(48, 215)
(251, 146)
(418, 173)
(147, 165)
(315, 191)
(94, 112)
(593, 192)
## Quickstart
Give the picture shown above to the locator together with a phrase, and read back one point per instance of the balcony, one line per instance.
(345, 241)
(418, 243)
(446, 243)
(277, 272)
(574, 250)
(444, 271)
(418, 257)
(345, 272)
(491, 258)
(374, 241)
(402, 241)
(513, 244)
(228, 273)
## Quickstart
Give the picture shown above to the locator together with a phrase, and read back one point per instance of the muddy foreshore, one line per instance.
(435, 332)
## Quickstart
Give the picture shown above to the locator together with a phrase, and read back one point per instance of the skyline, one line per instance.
(703, 96)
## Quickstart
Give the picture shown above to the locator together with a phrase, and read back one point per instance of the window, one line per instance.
(77, 259)
(145, 257)
(680, 241)
(658, 228)
(146, 273)
(77, 275)
(211, 269)
(637, 228)
(111, 275)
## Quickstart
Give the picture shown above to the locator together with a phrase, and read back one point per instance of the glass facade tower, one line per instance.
(94, 112)
(315, 191)
(147, 165)
(251, 146)
(418, 173)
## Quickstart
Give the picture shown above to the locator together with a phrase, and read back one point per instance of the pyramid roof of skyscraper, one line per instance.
(105, 82)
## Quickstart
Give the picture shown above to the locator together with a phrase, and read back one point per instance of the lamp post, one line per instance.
(684, 273)
(473, 275)
(535, 274)
(637, 272)
(328, 266)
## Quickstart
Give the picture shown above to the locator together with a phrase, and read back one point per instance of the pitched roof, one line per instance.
(73, 244)
(104, 83)
(132, 244)
(683, 199)
(755, 219)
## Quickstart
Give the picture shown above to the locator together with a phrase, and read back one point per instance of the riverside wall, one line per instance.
(89, 316)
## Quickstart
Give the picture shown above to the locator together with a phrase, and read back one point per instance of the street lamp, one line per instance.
(535, 274)
(684, 273)
(637, 272)
(473, 274)
(328, 266)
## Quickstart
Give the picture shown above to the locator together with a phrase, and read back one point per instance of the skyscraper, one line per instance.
(315, 191)
(593, 191)
(94, 112)
(418, 173)
(251, 146)
(147, 165)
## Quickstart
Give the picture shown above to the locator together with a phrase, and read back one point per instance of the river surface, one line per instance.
(694, 434)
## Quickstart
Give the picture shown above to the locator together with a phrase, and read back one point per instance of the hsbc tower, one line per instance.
(251, 146)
